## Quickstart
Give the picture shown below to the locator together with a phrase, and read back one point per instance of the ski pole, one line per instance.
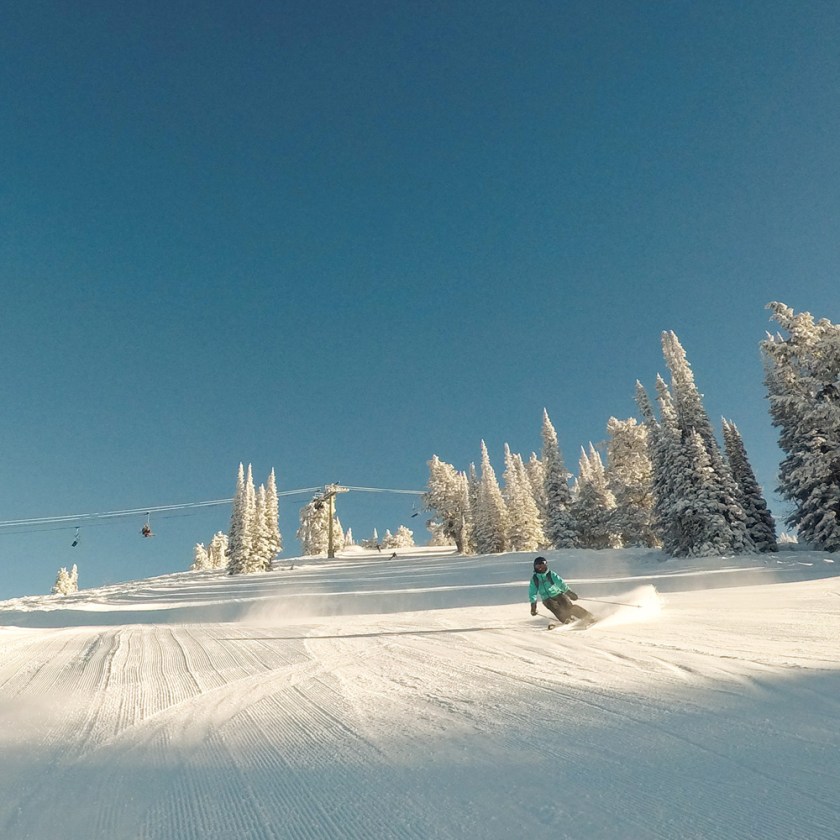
(617, 603)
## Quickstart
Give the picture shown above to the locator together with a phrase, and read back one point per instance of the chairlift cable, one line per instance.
(384, 490)
(43, 523)
(83, 518)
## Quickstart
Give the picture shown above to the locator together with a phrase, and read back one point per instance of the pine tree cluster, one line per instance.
(666, 483)
(537, 508)
(703, 504)
(66, 583)
(254, 539)
(802, 375)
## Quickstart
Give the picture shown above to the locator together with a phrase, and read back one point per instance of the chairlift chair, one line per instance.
(146, 530)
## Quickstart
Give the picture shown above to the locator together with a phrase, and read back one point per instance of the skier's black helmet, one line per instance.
(539, 561)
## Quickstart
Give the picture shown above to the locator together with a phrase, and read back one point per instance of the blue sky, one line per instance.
(335, 239)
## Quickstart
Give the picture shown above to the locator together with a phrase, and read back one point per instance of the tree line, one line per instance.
(667, 482)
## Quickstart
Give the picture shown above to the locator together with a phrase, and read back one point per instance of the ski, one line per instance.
(574, 625)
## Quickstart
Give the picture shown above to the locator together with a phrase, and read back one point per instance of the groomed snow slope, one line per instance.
(416, 698)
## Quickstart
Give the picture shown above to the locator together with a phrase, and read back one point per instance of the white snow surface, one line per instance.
(369, 697)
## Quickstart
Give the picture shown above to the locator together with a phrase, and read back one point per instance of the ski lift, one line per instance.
(415, 510)
(146, 530)
(75, 539)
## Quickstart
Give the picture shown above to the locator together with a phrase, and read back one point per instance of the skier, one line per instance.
(555, 595)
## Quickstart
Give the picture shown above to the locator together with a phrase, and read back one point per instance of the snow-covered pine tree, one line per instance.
(308, 533)
(241, 535)
(559, 526)
(803, 382)
(448, 498)
(703, 526)
(437, 537)
(62, 581)
(314, 531)
(592, 503)
(238, 536)
(688, 401)
(66, 583)
(491, 517)
(692, 416)
(760, 524)
(401, 538)
(630, 478)
(473, 490)
(348, 538)
(404, 537)
(525, 531)
(217, 550)
(272, 518)
(201, 560)
(667, 458)
(656, 452)
(468, 519)
(533, 510)
(262, 542)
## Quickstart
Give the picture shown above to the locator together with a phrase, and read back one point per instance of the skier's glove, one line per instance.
(572, 595)
(533, 609)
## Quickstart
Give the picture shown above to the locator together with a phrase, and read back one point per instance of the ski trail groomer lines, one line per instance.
(555, 594)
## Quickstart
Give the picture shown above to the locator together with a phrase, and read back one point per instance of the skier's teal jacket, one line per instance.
(548, 585)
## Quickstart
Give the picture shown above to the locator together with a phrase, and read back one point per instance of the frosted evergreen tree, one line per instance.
(668, 459)
(760, 524)
(311, 530)
(472, 487)
(534, 514)
(558, 523)
(239, 536)
(692, 416)
(66, 583)
(62, 582)
(694, 507)
(404, 537)
(655, 453)
(703, 525)
(348, 538)
(217, 550)
(803, 382)
(468, 518)
(525, 531)
(201, 560)
(262, 542)
(437, 537)
(272, 517)
(448, 498)
(314, 531)
(630, 478)
(491, 517)
(593, 503)
(688, 401)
